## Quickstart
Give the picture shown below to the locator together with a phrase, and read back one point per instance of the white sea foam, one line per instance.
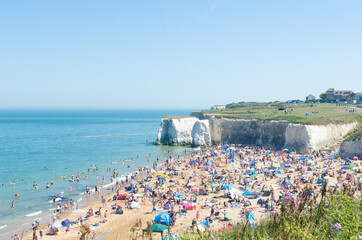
(80, 199)
(34, 214)
(3, 226)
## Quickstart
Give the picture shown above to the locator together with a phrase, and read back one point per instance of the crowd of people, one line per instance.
(214, 187)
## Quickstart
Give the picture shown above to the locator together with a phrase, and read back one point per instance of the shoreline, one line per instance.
(45, 219)
(111, 228)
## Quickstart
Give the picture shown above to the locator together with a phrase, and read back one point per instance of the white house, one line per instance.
(310, 97)
(218, 107)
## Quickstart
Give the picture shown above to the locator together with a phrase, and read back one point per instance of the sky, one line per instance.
(185, 54)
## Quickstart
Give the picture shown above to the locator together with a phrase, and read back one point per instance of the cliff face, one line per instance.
(250, 132)
(176, 131)
(271, 134)
(349, 149)
(201, 133)
(306, 138)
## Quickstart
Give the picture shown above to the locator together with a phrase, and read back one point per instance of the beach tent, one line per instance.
(177, 195)
(235, 192)
(253, 192)
(56, 225)
(159, 228)
(135, 205)
(286, 181)
(163, 218)
(171, 237)
(206, 222)
(228, 187)
(66, 223)
(251, 217)
(261, 201)
(319, 181)
(122, 197)
(277, 171)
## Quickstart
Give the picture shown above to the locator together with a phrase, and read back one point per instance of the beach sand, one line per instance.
(119, 226)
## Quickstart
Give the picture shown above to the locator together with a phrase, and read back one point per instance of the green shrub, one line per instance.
(328, 215)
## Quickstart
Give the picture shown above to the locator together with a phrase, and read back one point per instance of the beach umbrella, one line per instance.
(134, 183)
(344, 168)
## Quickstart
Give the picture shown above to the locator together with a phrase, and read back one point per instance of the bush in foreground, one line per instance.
(332, 214)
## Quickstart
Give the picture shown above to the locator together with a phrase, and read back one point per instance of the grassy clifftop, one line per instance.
(316, 114)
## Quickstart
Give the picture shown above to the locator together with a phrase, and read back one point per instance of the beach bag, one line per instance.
(119, 211)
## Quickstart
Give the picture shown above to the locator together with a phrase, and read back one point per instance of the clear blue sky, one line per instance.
(175, 54)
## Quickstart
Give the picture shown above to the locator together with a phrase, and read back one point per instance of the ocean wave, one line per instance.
(80, 199)
(3, 226)
(34, 214)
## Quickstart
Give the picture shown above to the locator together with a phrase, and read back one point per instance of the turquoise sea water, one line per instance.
(37, 146)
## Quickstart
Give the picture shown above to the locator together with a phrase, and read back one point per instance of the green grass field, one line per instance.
(320, 114)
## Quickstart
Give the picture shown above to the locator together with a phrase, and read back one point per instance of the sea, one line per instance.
(36, 146)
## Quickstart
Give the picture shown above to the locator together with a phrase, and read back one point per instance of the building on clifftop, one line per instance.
(339, 94)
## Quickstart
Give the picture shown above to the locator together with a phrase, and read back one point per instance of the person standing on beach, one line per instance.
(103, 201)
(13, 204)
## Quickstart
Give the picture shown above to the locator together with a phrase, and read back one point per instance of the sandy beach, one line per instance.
(227, 181)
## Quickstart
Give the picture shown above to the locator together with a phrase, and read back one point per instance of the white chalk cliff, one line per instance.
(176, 131)
(201, 133)
(271, 134)
(306, 138)
(349, 149)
